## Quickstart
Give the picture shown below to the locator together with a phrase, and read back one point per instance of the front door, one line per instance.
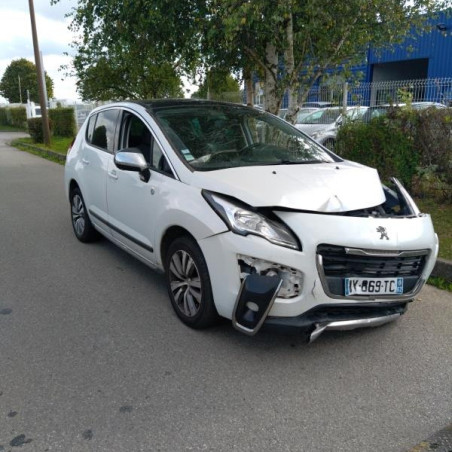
(133, 201)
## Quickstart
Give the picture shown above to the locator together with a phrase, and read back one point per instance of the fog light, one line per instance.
(292, 279)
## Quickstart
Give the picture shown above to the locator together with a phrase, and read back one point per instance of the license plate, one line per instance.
(373, 286)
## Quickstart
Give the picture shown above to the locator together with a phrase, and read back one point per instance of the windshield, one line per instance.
(323, 116)
(219, 136)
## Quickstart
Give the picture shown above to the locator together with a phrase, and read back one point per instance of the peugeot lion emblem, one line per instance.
(382, 231)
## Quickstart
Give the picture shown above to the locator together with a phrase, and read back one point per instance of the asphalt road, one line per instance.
(92, 357)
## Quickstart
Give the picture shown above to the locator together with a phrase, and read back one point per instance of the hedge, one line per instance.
(414, 146)
(35, 129)
(17, 117)
(3, 117)
(63, 120)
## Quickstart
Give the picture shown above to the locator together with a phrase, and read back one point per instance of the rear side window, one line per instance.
(101, 129)
(90, 128)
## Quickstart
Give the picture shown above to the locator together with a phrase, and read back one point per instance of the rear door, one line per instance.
(98, 153)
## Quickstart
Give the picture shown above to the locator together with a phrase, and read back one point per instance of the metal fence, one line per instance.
(376, 93)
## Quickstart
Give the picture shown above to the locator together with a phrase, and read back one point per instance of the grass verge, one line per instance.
(43, 152)
(58, 144)
(440, 283)
(442, 221)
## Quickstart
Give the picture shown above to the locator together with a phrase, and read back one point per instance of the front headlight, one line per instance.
(244, 221)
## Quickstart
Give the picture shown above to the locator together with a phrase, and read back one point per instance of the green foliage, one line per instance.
(440, 283)
(17, 116)
(386, 143)
(26, 71)
(140, 48)
(434, 137)
(3, 117)
(219, 85)
(441, 213)
(283, 39)
(135, 50)
(35, 129)
(59, 145)
(415, 146)
(63, 120)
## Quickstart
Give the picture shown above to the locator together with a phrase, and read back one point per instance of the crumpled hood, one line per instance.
(321, 187)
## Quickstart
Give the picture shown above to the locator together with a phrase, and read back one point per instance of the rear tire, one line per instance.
(83, 228)
(189, 285)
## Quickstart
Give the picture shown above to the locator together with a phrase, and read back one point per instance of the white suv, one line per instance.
(248, 217)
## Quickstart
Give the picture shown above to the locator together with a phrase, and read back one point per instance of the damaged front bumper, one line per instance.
(339, 317)
(258, 293)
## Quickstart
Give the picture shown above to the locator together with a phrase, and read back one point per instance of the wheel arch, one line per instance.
(171, 234)
(72, 186)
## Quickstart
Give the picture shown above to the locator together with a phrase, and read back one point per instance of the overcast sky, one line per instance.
(53, 34)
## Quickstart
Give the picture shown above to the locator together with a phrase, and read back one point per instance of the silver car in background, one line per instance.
(323, 124)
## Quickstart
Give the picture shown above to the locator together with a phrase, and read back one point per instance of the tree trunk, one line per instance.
(271, 100)
(249, 88)
(290, 73)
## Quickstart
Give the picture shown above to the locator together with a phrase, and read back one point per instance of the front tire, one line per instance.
(188, 284)
(83, 228)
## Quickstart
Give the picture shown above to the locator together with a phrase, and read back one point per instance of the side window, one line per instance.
(135, 134)
(103, 134)
(159, 161)
(157, 155)
(90, 128)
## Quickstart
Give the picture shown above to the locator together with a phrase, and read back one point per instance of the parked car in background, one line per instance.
(248, 218)
(323, 124)
(282, 113)
(424, 105)
(381, 110)
(318, 104)
(303, 112)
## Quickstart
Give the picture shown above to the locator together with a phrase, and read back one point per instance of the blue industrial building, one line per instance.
(424, 59)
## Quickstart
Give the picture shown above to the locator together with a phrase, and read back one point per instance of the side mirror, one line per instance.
(131, 159)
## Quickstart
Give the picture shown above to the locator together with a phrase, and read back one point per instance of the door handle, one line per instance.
(113, 174)
(85, 162)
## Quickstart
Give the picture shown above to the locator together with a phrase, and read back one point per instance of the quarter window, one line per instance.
(103, 132)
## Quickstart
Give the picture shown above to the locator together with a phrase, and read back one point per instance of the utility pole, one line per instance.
(42, 100)
(20, 90)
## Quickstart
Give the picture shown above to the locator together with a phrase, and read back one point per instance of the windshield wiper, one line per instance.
(299, 162)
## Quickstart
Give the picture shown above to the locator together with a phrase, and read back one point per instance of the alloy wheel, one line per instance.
(78, 214)
(185, 283)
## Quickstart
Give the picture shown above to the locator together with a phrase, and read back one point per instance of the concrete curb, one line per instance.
(48, 153)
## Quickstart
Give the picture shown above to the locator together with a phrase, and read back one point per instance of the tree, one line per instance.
(295, 42)
(135, 48)
(219, 85)
(26, 71)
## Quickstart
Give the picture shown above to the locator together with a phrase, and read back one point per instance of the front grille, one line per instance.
(338, 262)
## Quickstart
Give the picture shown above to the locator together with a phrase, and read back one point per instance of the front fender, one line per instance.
(193, 214)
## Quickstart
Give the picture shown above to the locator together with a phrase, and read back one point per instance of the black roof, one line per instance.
(156, 104)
